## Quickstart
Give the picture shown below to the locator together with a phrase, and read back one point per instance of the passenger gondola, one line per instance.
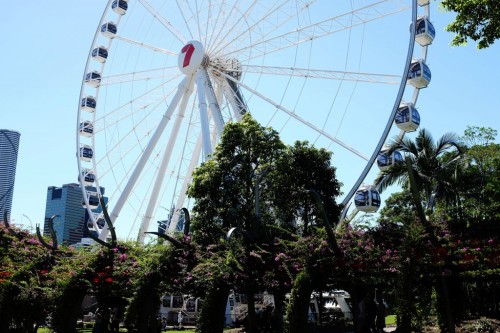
(419, 75)
(93, 200)
(407, 117)
(109, 29)
(93, 79)
(425, 32)
(86, 153)
(88, 104)
(386, 160)
(100, 54)
(119, 7)
(86, 128)
(367, 199)
(88, 177)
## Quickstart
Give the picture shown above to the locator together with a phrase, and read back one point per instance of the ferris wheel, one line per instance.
(163, 77)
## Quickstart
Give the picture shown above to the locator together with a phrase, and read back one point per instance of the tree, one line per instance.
(478, 182)
(432, 166)
(413, 285)
(230, 192)
(301, 170)
(478, 20)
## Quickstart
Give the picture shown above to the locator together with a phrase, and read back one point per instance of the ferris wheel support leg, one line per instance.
(236, 106)
(200, 85)
(182, 196)
(164, 163)
(213, 104)
(181, 90)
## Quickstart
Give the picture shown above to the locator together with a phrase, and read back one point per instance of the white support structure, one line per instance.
(187, 180)
(181, 90)
(202, 105)
(213, 104)
(164, 163)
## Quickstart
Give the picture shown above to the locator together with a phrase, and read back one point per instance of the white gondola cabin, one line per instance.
(109, 29)
(100, 54)
(86, 153)
(93, 79)
(86, 128)
(423, 2)
(88, 104)
(419, 75)
(367, 199)
(88, 177)
(93, 201)
(386, 160)
(407, 117)
(119, 7)
(425, 31)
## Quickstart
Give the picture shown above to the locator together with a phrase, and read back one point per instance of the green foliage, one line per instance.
(478, 20)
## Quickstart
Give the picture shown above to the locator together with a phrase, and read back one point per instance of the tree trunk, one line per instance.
(251, 316)
(213, 311)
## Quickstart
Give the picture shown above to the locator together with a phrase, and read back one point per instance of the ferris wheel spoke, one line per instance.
(320, 29)
(285, 17)
(323, 74)
(184, 18)
(146, 46)
(157, 73)
(297, 117)
(216, 33)
(157, 15)
(150, 99)
(232, 27)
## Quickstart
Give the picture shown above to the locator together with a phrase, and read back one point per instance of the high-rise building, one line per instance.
(66, 201)
(9, 147)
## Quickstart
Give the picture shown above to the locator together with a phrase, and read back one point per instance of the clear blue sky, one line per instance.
(45, 45)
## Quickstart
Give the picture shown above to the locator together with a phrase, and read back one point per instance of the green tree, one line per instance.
(478, 183)
(413, 286)
(230, 192)
(432, 166)
(478, 20)
(430, 169)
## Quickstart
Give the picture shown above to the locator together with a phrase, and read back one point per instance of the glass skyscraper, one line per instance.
(9, 147)
(66, 201)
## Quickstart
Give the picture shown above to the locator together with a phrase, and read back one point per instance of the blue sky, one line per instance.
(45, 47)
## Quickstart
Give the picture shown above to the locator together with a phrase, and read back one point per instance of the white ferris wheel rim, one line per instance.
(255, 60)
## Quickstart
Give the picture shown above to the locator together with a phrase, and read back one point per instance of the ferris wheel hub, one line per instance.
(191, 57)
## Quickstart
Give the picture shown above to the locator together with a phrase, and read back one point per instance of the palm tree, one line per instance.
(430, 169)
(433, 165)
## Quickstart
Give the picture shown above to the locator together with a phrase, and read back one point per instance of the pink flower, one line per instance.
(490, 241)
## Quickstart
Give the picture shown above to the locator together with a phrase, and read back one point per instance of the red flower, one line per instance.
(109, 280)
(95, 280)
